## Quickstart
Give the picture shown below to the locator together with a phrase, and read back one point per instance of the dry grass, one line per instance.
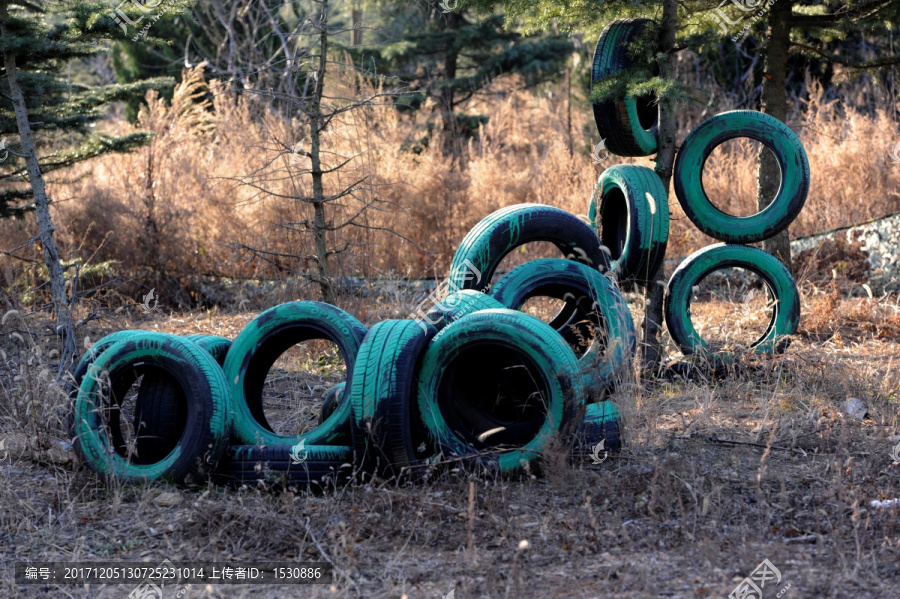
(716, 476)
(174, 217)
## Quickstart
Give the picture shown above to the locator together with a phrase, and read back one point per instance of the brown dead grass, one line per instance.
(716, 476)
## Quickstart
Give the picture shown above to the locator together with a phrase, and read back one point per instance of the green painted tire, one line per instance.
(492, 239)
(775, 135)
(313, 467)
(208, 426)
(632, 220)
(497, 235)
(456, 305)
(601, 423)
(695, 267)
(160, 410)
(610, 355)
(385, 425)
(215, 345)
(73, 380)
(459, 372)
(257, 348)
(334, 396)
(628, 125)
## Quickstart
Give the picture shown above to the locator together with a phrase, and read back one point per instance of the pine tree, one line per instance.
(52, 116)
(448, 54)
(819, 30)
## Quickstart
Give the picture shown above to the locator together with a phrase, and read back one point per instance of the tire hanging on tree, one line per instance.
(628, 125)
(788, 201)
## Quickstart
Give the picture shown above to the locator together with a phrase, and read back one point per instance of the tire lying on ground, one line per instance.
(208, 424)
(215, 345)
(456, 305)
(601, 423)
(160, 410)
(385, 424)
(498, 234)
(293, 467)
(698, 265)
(485, 246)
(630, 210)
(629, 125)
(788, 201)
(260, 344)
(602, 363)
(73, 381)
(462, 370)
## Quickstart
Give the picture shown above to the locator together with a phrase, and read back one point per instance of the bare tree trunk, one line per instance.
(64, 322)
(774, 103)
(357, 25)
(320, 224)
(665, 158)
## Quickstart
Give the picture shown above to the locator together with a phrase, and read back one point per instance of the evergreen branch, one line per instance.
(868, 64)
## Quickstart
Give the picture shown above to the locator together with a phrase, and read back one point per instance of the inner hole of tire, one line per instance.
(492, 395)
(732, 308)
(525, 253)
(614, 222)
(296, 384)
(581, 329)
(729, 176)
(647, 111)
(147, 415)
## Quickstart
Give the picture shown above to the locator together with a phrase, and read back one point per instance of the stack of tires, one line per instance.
(629, 206)
(472, 383)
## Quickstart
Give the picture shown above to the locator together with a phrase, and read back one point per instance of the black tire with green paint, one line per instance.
(160, 410)
(460, 369)
(485, 246)
(632, 220)
(208, 426)
(76, 376)
(259, 345)
(216, 346)
(458, 304)
(629, 125)
(695, 267)
(777, 137)
(313, 467)
(610, 355)
(385, 425)
(601, 423)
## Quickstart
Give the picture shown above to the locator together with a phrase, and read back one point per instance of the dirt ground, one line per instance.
(716, 476)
